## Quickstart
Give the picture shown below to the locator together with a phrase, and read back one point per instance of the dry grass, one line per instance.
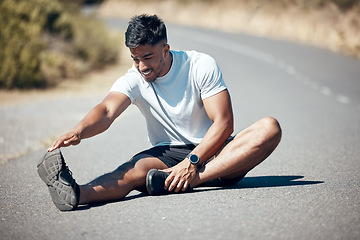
(42, 42)
(324, 25)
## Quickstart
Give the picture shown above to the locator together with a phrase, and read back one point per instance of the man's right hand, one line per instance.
(66, 140)
(96, 121)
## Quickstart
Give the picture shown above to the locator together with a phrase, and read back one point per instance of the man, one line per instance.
(189, 117)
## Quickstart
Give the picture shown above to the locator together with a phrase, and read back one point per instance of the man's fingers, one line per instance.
(73, 140)
(176, 184)
(54, 146)
(64, 141)
(167, 170)
(185, 186)
(180, 185)
(168, 180)
(172, 186)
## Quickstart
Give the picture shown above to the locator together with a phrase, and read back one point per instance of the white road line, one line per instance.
(265, 57)
(291, 70)
(232, 46)
(326, 91)
(314, 85)
(343, 99)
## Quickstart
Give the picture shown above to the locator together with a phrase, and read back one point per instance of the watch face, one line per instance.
(194, 159)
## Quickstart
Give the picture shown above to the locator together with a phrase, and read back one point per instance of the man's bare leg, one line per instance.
(117, 184)
(249, 148)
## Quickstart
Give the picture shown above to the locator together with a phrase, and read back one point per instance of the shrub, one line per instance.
(43, 41)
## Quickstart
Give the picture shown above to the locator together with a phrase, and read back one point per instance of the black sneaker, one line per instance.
(63, 189)
(155, 183)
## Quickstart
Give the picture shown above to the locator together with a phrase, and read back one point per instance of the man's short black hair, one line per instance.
(145, 29)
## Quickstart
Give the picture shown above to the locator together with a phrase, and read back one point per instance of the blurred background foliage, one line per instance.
(342, 4)
(44, 41)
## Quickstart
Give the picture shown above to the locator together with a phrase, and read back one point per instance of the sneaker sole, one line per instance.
(59, 190)
(149, 176)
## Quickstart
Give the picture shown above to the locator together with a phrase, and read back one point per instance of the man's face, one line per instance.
(150, 60)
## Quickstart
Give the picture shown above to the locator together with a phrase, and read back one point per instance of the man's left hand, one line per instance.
(180, 176)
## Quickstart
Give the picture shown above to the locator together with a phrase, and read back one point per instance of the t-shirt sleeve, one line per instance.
(209, 77)
(126, 85)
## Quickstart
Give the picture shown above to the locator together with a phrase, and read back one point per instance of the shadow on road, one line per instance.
(127, 198)
(265, 181)
(247, 182)
(274, 181)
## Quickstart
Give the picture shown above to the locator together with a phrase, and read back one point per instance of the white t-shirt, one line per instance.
(172, 104)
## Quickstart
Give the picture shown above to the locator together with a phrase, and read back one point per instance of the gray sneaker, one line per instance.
(63, 189)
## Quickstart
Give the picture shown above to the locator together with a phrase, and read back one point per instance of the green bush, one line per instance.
(43, 41)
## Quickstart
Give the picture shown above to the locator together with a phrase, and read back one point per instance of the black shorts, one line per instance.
(174, 154)
(170, 155)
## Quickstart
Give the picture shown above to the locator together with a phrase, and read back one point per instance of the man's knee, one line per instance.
(273, 129)
(271, 124)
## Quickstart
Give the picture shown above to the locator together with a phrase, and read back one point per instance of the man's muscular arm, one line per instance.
(219, 110)
(96, 121)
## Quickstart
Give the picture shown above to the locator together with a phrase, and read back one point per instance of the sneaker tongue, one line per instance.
(66, 178)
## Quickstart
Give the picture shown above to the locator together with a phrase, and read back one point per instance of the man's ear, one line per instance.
(166, 50)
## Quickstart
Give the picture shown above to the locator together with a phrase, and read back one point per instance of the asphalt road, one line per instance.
(309, 188)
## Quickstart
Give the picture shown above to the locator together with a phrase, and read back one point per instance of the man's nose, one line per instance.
(142, 66)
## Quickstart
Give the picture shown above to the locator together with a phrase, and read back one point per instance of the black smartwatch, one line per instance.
(194, 159)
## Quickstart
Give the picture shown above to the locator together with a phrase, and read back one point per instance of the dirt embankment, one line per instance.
(319, 23)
